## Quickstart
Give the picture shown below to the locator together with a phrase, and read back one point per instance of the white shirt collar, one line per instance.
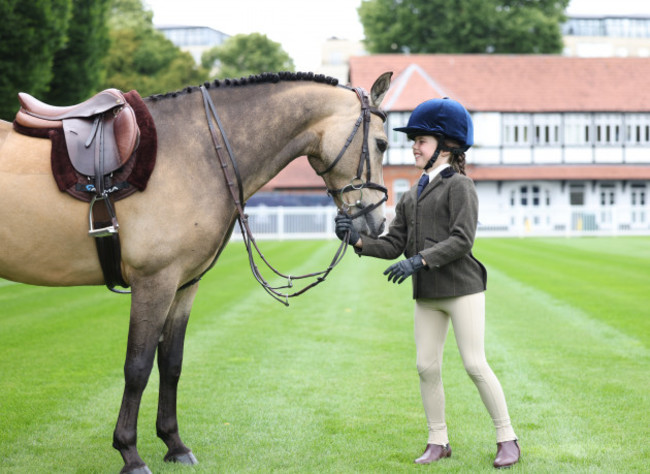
(436, 171)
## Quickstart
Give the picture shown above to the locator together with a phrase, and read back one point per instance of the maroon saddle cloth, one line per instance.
(132, 176)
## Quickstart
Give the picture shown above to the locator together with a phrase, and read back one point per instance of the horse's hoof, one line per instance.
(187, 458)
(138, 470)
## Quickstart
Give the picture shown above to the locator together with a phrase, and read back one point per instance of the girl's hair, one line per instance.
(457, 157)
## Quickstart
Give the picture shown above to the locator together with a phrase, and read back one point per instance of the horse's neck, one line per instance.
(277, 127)
(267, 126)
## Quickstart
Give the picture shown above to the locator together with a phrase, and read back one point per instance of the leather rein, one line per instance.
(357, 184)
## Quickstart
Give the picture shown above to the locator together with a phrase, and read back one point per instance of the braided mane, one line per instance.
(264, 78)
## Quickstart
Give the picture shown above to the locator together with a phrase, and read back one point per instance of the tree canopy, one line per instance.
(63, 51)
(141, 57)
(463, 26)
(243, 55)
(30, 34)
(77, 69)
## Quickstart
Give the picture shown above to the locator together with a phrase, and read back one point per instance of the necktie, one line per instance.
(424, 180)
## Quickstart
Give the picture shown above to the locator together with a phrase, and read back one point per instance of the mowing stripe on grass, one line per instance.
(329, 384)
(575, 384)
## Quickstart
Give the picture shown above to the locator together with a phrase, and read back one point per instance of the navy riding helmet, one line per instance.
(442, 117)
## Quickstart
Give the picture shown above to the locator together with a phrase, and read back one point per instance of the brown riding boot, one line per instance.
(508, 454)
(434, 452)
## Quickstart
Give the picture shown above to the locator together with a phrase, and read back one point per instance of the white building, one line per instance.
(193, 39)
(590, 36)
(562, 145)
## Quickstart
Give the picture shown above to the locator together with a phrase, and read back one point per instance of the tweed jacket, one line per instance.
(440, 225)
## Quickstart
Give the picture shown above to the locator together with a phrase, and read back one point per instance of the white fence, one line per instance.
(289, 223)
(301, 223)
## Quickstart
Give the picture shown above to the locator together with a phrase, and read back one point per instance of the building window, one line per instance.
(516, 129)
(395, 120)
(400, 186)
(523, 193)
(547, 128)
(607, 195)
(608, 129)
(577, 194)
(535, 195)
(576, 129)
(637, 129)
(638, 201)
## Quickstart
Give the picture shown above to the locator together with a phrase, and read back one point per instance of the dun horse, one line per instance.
(174, 230)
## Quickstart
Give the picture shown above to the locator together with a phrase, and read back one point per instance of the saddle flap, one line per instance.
(77, 132)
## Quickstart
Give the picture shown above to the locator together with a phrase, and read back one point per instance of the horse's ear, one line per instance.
(379, 88)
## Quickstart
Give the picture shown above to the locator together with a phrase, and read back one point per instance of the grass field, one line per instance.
(329, 384)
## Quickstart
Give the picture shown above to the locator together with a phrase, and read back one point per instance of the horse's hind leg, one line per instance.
(170, 361)
(150, 303)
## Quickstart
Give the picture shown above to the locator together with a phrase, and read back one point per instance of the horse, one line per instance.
(174, 230)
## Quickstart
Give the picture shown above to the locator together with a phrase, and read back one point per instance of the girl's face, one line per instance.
(424, 148)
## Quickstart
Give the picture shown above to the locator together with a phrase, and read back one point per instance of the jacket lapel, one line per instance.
(446, 173)
(436, 181)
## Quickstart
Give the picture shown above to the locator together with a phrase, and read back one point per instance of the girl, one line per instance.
(434, 227)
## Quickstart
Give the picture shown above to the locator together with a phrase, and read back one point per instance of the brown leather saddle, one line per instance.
(101, 133)
(101, 136)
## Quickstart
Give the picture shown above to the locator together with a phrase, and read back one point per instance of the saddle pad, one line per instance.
(135, 173)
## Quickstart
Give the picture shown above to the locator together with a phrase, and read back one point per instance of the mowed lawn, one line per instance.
(329, 384)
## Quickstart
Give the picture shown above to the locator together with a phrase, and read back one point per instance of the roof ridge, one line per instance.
(403, 79)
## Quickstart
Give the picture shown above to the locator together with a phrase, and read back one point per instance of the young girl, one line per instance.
(434, 227)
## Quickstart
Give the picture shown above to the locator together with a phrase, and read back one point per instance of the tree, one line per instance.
(78, 68)
(243, 55)
(31, 31)
(463, 26)
(142, 58)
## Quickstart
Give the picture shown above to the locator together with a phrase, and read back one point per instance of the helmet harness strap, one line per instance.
(441, 147)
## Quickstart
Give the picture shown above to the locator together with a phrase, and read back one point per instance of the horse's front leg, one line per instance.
(170, 361)
(151, 300)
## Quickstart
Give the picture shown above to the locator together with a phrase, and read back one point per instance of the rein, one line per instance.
(356, 184)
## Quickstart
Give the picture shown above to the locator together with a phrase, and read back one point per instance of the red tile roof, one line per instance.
(297, 175)
(510, 83)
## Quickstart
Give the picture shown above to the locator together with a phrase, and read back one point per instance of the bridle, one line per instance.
(357, 183)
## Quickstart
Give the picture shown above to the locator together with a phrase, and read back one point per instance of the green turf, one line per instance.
(329, 384)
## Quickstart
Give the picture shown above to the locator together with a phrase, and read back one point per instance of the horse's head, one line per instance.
(350, 157)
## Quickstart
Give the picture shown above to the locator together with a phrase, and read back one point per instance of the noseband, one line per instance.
(237, 192)
(357, 183)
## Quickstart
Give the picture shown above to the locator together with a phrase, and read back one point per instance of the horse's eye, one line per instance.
(382, 145)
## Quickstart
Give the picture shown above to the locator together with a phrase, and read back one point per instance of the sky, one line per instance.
(302, 26)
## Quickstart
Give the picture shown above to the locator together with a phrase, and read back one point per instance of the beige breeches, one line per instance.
(467, 314)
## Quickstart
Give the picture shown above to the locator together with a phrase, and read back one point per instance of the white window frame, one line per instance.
(577, 129)
(608, 129)
(400, 186)
(637, 129)
(547, 129)
(517, 129)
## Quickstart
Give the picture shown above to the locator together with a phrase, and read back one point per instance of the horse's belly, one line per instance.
(43, 232)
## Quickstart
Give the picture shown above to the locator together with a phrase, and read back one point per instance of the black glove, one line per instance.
(343, 225)
(400, 271)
